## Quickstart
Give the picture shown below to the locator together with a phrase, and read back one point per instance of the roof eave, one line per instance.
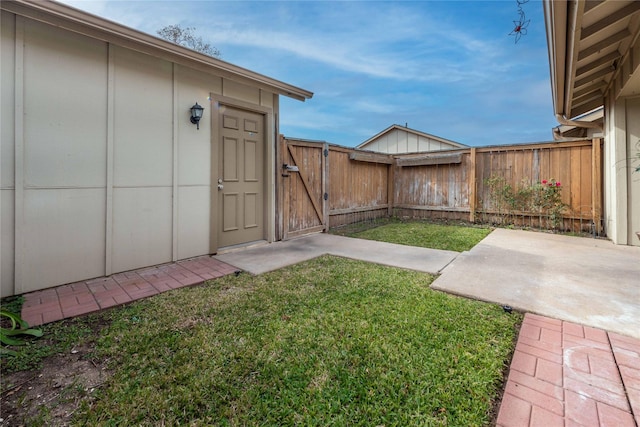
(563, 21)
(555, 16)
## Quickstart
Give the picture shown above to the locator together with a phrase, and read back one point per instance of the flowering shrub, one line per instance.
(543, 198)
(547, 199)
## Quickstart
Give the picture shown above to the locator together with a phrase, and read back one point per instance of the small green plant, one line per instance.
(58, 337)
(500, 194)
(12, 335)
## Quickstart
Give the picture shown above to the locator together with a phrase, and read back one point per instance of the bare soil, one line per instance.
(49, 396)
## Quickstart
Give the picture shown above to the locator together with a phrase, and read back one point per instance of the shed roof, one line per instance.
(412, 131)
(75, 20)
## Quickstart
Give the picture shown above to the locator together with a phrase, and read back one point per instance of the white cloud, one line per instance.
(447, 68)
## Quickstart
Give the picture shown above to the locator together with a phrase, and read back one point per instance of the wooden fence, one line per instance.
(323, 186)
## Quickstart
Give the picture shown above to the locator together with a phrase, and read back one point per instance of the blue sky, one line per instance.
(448, 68)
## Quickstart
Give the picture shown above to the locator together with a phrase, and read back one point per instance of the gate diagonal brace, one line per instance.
(306, 184)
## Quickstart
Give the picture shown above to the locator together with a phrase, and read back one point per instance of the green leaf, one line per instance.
(32, 332)
(15, 319)
(7, 352)
(19, 327)
(9, 341)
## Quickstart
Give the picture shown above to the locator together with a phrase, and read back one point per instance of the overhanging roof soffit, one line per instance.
(611, 19)
(594, 51)
(598, 86)
(598, 35)
(594, 76)
(590, 4)
(607, 59)
(602, 44)
(588, 97)
(586, 107)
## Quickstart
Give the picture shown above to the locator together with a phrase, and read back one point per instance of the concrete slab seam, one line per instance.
(624, 386)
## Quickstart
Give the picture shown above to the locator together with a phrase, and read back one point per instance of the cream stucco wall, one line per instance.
(102, 171)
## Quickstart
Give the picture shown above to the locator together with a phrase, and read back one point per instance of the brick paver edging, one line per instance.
(565, 374)
(88, 296)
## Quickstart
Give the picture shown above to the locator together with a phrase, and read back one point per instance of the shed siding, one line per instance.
(142, 160)
(194, 164)
(64, 109)
(7, 154)
(399, 141)
(239, 91)
(115, 176)
(64, 157)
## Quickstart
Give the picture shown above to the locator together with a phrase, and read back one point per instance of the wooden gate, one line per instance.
(303, 187)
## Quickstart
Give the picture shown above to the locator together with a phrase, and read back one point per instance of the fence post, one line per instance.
(596, 183)
(472, 185)
(325, 187)
(391, 177)
(280, 184)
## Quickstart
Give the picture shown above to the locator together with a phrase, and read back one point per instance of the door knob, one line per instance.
(220, 186)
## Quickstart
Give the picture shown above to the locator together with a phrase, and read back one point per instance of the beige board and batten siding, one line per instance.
(633, 169)
(397, 139)
(621, 159)
(102, 170)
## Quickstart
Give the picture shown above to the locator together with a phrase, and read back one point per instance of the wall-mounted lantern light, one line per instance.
(196, 115)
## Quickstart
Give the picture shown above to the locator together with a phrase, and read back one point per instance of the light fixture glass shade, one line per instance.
(196, 111)
(196, 114)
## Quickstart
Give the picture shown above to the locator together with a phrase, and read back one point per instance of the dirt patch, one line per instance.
(51, 395)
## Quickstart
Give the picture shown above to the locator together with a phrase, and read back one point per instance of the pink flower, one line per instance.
(557, 184)
(544, 181)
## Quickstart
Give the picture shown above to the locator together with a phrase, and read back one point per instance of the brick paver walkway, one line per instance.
(565, 374)
(88, 296)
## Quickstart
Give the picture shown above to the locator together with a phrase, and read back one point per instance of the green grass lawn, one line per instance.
(425, 234)
(330, 341)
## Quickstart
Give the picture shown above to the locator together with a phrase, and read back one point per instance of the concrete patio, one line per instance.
(587, 281)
